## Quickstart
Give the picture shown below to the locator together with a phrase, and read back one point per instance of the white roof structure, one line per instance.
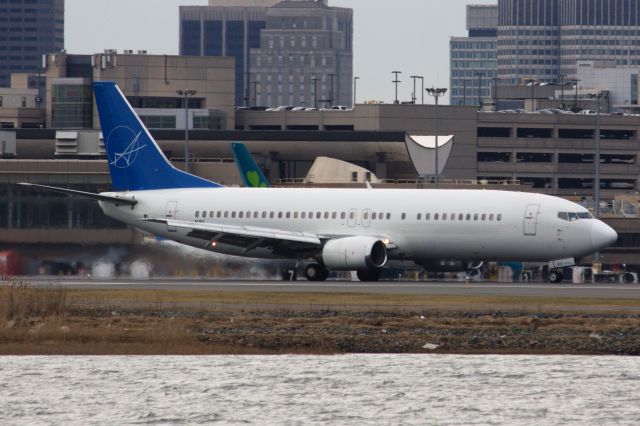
(422, 152)
(329, 170)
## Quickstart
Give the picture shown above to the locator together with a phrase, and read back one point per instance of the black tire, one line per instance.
(555, 277)
(315, 272)
(370, 275)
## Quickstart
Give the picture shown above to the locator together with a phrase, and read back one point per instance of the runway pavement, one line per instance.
(604, 291)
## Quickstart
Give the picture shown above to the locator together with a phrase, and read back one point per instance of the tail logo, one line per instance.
(128, 156)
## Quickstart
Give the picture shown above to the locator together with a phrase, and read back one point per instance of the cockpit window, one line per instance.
(573, 216)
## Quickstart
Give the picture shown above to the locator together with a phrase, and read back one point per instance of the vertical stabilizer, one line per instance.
(251, 174)
(135, 159)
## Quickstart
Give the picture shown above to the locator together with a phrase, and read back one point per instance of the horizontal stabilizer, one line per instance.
(81, 194)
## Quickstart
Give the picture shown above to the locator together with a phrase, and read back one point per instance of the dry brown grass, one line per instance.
(23, 302)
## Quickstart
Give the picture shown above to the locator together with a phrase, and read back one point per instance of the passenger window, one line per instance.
(219, 214)
(491, 216)
(352, 215)
(226, 215)
(475, 216)
(303, 215)
(444, 216)
(279, 215)
(436, 216)
(460, 216)
(318, 215)
(499, 217)
(241, 215)
(211, 214)
(272, 215)
(248, 215)
(295, 215)
(427, 216)
(264, 215)
(334, 215)
(255, 215)
(468, 216)
(373, 216)
(198, 213)
(484, 217)
(233, 214)
(288, 215)
(453, 216)
(343, 215)
(404, 216)
(388, 216)
(366, 215)
(419, 216)
(326, 215)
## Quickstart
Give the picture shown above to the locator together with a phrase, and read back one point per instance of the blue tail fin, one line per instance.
(135, 160)
(251, 174)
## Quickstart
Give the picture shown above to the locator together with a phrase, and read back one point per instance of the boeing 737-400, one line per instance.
(329, 229)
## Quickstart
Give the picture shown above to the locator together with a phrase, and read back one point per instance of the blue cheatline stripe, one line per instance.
(135, 160)
(250, 173)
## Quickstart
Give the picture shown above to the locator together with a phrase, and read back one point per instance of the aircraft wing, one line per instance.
(247, 237)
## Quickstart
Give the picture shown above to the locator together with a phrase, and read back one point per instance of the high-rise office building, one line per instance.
(264, 36)
(28, 29)
(473, 58)
(543, 40)
(225, 28)
(305, 56)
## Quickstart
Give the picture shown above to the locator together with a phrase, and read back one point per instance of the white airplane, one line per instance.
(330, 229)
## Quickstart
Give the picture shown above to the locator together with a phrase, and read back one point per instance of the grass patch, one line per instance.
(23, 302)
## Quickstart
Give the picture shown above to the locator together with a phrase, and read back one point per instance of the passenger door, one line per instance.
(170, 213)
(531, 219)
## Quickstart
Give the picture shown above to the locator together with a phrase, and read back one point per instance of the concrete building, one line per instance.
(545, 39)
(473, 58)
(277, 44)
(225, 28)
(28, 29)
(150, 82)
(620, 80)
(305, 56)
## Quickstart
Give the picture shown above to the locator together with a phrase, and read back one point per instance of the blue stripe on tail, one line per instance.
(135, 160)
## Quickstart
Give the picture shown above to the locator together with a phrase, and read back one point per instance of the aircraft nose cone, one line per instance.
(602, 235)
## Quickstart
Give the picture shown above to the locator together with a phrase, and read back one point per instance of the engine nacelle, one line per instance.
(354, 253)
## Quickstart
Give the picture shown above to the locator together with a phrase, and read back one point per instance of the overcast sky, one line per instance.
(411, 36)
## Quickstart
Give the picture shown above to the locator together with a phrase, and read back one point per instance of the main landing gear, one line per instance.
(315, 272)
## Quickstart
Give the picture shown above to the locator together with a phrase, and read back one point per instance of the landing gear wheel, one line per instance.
(555, 277)
(369, 274)
(315, 272)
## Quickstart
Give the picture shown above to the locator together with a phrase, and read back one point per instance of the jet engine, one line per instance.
(354, 253)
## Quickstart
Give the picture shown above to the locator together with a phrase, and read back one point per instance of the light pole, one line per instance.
(315, 91)
(331, 75)
(355, 87)
(495, 93)
(396, 81)
(436, 93)
(255, 93)
(479, 90)
(247, 89)
(576, 81)
(186, 93)
(597, 183)
(422, 87)
(562, 76)
(413, 95)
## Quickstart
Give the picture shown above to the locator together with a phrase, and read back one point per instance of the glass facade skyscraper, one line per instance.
(473, 58)
(28, 29)
(544, 39)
